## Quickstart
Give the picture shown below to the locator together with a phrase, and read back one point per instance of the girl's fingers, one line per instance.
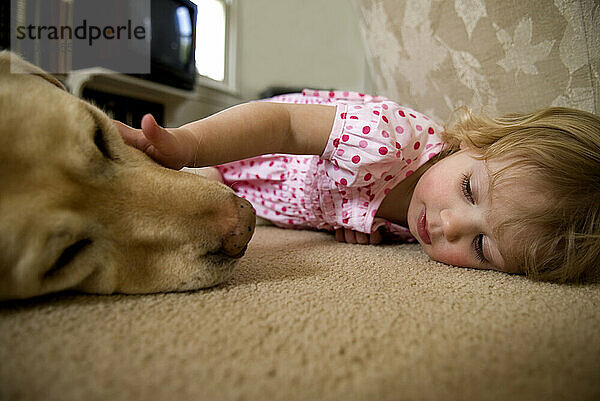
(349, 236)
(159, 137)
(376, 237)
(355, 237)
(131, 136)
(361, 238)
(155, 141)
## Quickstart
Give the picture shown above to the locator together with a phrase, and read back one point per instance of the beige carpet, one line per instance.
(306, 318)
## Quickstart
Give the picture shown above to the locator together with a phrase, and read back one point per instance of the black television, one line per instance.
(173, 44)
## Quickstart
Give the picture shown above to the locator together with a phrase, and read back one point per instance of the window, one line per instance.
(214, 45)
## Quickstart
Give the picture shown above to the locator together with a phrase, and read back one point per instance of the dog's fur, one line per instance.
(81, 210)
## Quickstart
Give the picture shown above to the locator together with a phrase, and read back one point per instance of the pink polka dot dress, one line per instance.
(374, 144)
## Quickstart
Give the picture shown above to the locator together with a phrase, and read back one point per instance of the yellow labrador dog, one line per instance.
(81, 210)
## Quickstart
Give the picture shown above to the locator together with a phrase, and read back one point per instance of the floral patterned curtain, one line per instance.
(496, 56)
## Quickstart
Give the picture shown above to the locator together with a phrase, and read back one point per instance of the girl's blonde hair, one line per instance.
(559, 149)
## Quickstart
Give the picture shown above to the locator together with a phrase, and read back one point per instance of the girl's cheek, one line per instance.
(450, 256)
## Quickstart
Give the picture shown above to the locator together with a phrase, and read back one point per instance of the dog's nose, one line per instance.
(235, 243)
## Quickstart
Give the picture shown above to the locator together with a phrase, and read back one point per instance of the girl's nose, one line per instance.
(454, 225)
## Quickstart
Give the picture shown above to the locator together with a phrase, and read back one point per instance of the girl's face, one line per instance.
(451, 212)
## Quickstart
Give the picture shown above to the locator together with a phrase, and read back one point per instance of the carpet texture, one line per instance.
(307, 318)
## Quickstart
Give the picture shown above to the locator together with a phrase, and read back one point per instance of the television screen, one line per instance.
(172, 28)
(173, 43)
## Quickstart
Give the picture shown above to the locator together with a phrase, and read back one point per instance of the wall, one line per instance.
(304, 43)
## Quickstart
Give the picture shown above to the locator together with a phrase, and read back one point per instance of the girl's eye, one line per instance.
(478, 248)
(465, 187)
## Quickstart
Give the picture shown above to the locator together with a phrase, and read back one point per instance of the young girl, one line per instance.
(519, 194)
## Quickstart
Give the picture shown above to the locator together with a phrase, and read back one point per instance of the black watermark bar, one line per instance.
(83, 32)
(64, 35)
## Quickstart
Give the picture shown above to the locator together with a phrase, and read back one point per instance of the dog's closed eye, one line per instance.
(67, 256)
(101, 142)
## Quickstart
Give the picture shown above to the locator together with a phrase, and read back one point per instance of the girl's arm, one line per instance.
(237, 133)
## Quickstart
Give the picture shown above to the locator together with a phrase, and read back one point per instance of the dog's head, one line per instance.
(79, 209)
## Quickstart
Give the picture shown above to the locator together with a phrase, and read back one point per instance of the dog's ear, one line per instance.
(14, 64)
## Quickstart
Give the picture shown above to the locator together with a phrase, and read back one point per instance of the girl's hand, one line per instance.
(355, 237)
(173, 148)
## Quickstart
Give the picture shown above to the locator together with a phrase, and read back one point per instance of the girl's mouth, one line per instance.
(422, 227)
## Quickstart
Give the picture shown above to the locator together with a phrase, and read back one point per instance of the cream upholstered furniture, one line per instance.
(307, 318)
(497, 56)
